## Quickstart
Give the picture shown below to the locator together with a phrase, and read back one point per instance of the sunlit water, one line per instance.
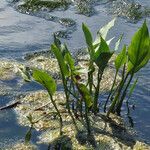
(22, 33)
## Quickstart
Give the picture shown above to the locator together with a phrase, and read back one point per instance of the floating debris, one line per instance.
(141, 146)
(62, 34)
(7, 70)
(84, 7)
(67, 22)
(130, 10)
(33, 6)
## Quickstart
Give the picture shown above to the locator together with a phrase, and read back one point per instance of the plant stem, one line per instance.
(60, 118)
(124, 69)
(86, 110)
(111, 109)
(67, 99)
(123, 76)
(119, 104)
(81, 109)
(90, 76)
(110, 91)
(99, 76)
(87, 120)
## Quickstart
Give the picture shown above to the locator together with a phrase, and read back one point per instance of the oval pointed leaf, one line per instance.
(69, 59)
(109, 41)
(142, 64)
(139, 47)
(60, 59)
(117, 44)
(103, 47)
(130, 66)
(89, 39)
(102, 60)
(104, 31)
(88, 35)
(44, 79)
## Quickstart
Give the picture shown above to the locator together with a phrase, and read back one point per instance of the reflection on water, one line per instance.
(130, 120)
(138, 106)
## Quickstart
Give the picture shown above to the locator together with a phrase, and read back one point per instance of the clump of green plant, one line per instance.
(82, 98)
(133, 58)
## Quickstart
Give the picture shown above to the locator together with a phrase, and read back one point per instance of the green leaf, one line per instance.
(102, 55)
(57, 41)
(144, 62)
(104, 31)
(88, 38)
(45, 79)
(130, 66)
(139, 48)
(103, 59)
(88, 35)
(121, 58)
(86, 95)
(69, 59)
(58, 54)
(117, 44)
(103, 47)
(109, 41)
(64, 50)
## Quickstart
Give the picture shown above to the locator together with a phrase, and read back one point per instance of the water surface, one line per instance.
(22, 33)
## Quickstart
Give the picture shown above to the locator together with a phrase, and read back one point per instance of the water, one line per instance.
(21, 34)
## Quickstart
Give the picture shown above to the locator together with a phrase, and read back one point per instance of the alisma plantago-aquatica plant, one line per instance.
(134, 58)
(82, 98)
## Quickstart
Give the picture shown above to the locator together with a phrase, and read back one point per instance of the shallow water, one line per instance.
(21, 34)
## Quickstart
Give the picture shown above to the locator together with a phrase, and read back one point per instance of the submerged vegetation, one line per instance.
(125, 8)
(131, 10)
(70, 109)
(35, 5)
(128, 9)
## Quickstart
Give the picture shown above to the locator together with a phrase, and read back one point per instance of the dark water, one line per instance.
(22, 33)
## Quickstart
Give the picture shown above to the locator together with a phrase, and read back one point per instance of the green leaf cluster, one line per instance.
(83, 98)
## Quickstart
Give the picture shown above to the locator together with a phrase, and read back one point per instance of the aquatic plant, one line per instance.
(135, 58)
(82, 96)
(60, 52)
(49, 84)
(100, 54)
